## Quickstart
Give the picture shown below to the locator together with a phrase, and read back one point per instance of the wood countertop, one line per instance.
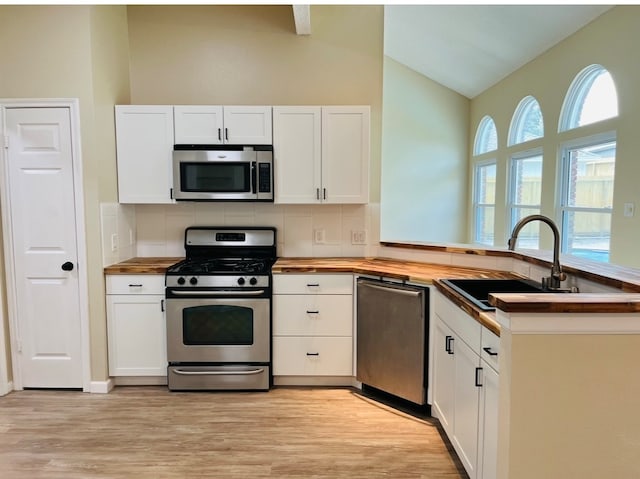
(142, 265)
(427, 273)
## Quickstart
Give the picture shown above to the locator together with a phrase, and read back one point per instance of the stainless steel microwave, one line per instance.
(227, 173)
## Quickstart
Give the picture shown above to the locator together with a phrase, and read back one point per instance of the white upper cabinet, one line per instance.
(144, 145)
(321, 154)
(217, 125)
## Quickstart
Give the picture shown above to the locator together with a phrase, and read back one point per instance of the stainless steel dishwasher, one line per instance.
(392, 331)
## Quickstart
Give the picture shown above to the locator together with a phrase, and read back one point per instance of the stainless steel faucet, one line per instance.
(557, 276)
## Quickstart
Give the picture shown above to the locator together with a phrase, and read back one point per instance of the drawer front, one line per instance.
(312, 315)
(309, 356)
(460, 322)
(313, 284)
(135, 284)
(490, 348)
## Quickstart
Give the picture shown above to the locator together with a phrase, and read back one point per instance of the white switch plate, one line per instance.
(114, 243)
(358, 237)
(628, 210)
(319, 236)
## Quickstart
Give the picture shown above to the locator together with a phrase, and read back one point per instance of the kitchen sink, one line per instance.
(477, 290)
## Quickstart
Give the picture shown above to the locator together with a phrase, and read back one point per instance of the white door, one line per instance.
(197, 125)
(248, 125)
(47, 339)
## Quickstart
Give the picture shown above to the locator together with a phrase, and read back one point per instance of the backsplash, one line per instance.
(302, 230)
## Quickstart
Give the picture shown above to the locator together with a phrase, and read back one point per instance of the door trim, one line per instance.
(73, 104)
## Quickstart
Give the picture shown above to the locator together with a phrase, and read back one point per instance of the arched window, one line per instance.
(527, 123)
(591, 97)
(486, 137)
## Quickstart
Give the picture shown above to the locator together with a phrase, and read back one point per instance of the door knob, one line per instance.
(68, 266)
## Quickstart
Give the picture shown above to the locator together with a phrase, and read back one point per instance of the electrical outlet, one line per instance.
(628, 210)
(358, 237)
(114, 243)
(319, 236)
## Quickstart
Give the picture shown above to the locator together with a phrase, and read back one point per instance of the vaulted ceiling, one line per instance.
(469, 48)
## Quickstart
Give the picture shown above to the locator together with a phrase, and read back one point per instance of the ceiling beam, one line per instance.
(302, 19)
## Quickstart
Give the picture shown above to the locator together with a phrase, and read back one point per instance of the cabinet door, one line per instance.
(443, 376)
(136, 335)
(466, 409)
(345, 154)
(488, 434)
(198, 125)
(248, 125)
(297, 154)
(144, 145)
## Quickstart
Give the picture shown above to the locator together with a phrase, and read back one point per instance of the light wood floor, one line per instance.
(149, 432)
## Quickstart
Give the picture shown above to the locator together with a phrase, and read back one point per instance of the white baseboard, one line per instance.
(101, 387)
(6, 388)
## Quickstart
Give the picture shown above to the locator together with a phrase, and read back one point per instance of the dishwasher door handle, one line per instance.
(395, 288)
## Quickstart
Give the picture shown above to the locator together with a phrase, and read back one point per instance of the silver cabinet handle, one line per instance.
(317, 193)
(313, 312)
(217, 373)
(393, 289)
(324, 193)
(219, 134)
(489, 352)
(135, 286)
(313, 354)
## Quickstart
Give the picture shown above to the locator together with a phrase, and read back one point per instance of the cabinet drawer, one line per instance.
(135, 284)
(490, 348)
(312, 315)
(313, 283)
(460, 322)
(312, 356)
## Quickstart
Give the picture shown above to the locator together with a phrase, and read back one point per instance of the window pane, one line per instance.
(484, 224)
(590, 176)
(527, 123)
(587, 234)
(529, 236)
(486, 184)
(526, 180)
(486, 137)
(601, 101)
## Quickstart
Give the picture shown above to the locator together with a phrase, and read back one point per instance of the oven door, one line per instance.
(218, 330)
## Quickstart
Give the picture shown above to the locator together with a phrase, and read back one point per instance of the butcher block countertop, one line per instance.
(427, 273)
(142, 265)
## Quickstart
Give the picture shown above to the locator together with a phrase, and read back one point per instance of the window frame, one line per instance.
(476, 204)
(576, 95)
(518, 119)
(563, 186)
(485, 125)
(511, 206)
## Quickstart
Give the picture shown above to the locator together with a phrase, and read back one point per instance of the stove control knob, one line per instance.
(253, 281)
(240, 281)
(181, 280)
(193, 280)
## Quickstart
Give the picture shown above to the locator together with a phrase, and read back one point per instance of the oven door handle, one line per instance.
(218, 373)
(217, 293)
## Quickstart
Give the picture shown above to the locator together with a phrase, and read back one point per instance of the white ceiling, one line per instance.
(469, 48)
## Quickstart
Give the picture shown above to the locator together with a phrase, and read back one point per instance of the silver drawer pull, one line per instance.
(217, 373)
(135, 286)
(313, 312)
(217, 293)
(313, 354)
(313, 285)
(489, 351)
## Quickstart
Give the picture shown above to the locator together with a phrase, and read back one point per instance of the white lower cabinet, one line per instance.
(313, 325)
(465, 387)
(136, 325)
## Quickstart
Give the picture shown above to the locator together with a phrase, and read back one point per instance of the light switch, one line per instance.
(628, 210)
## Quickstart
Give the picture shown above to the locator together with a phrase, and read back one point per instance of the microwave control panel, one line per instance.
(264, 177)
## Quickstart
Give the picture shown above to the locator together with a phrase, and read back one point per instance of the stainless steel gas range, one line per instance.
(218, 312)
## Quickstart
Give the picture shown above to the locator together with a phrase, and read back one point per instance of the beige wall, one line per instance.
(610, 41)
(226, 55)
(75, 52)
(424, 158)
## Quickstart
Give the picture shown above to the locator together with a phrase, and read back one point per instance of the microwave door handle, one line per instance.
(254, 178)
